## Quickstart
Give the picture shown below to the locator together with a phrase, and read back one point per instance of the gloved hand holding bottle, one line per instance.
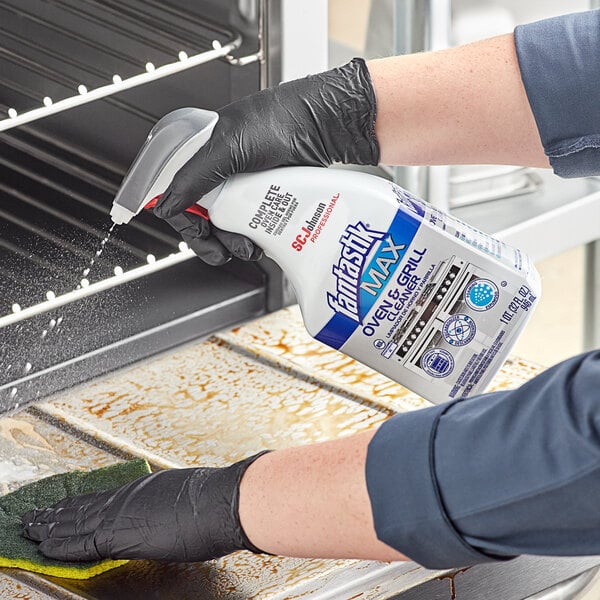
(315, 121)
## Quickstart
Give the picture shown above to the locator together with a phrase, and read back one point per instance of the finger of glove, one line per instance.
(209, 167)
(76, 548)
(190, 226)
(38, 532)
(195, 232)
(67, 524)
(84, 501)
(239, 245)
(210, 250)
(52, 514)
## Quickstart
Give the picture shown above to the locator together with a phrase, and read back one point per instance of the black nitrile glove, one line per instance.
(213, 245)
(315, 121)
(181, 515)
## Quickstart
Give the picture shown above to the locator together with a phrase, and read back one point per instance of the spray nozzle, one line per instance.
(170, 144)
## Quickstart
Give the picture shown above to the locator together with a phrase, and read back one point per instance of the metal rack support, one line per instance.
(152, 74)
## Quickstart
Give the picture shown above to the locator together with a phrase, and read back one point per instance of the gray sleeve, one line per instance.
(502, 474)
(559, 59)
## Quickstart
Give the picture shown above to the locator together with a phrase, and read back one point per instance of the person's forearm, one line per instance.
(312, 501)
(457, 106)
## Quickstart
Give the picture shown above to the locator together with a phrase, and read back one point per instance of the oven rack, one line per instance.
(120, 277)
(144, 294)
(54, 202)
(59, 54)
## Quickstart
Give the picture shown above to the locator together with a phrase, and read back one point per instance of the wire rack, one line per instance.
(59, 54)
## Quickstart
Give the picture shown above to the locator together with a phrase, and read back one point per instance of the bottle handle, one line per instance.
(171, 143)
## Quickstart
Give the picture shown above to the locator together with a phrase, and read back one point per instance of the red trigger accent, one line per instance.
(194, 208)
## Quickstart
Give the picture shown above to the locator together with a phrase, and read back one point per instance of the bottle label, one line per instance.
(384, 277)
(368, 260)
(426, 299)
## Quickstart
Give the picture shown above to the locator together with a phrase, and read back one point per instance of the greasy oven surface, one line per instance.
(211, 403)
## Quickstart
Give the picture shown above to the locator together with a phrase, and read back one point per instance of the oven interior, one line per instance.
(60, 169)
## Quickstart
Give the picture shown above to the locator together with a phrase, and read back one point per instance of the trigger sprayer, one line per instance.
(380, 275)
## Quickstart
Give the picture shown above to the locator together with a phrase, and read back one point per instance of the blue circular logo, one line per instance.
(437, 362)
(379, 344)
(481, 294)
(459, 330)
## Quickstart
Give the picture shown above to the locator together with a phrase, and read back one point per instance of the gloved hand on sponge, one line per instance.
(20, 552)
(174, 515)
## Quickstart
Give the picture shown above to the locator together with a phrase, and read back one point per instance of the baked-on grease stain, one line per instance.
(451, 577)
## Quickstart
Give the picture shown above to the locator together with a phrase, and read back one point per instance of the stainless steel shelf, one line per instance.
(560, 215)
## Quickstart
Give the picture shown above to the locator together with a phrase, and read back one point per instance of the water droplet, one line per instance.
(47, 101)
(150, 67)
(182, 55)
(27, 367)
(52, 323)
(85, 283)
(216, 45)
(8, 368)
(12, 113)
(99, 252)
(16, 405)
(16, 308)
(183, 246)
(59, 320)
(151, 259)
(117, 79)
(50, 295)
(86, 272)
(82, 89)
(13, 392)
(118, 271)
(44, 333)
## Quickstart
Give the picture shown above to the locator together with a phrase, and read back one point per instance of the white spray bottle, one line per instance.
(380, 275)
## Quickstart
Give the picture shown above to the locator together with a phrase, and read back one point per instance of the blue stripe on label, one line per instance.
(401, 232)
(338, 329)
(385, 262)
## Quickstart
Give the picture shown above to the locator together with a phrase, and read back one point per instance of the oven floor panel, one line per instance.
(212, 403)
(216, 406)
(281, 339)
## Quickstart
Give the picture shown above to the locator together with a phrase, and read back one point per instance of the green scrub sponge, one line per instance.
(18, 551)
